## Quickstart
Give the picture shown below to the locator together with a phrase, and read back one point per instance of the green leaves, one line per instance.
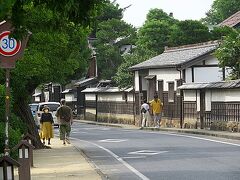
(188, 32)
(228, 54)
(112, 33)
(53, 54)
(154, 36)
(221, 10)
(124, 77)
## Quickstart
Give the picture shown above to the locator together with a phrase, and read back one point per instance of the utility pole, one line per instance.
(7, 112)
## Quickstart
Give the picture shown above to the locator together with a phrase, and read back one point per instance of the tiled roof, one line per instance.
(176, 56)
(232, 21)
(86, 82)
(213, 85)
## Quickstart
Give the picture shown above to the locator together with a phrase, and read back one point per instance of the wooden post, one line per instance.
(96, 115)
(202, 108)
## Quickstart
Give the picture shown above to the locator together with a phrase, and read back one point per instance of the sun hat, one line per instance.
(45, 107)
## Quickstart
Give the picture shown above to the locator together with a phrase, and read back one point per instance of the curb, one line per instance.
(206, 133)
(92, 164)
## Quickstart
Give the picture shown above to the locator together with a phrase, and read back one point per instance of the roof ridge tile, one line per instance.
(192, 46)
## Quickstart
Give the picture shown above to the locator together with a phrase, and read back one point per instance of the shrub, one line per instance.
(16, 125)
(14, 138)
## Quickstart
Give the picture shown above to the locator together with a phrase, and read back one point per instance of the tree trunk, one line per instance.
(23, 111)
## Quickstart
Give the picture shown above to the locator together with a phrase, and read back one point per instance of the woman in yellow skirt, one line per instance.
(46, 125)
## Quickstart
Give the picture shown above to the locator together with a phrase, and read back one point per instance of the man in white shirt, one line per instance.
(145, 113)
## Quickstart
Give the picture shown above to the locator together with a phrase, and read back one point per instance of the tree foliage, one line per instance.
(188, 32)
(160, 15)
(154, 35)
(57, 51)
(124, 77)
(78, 11)
(219, 32)
(228, 54)
(111, 34)
(221, 10)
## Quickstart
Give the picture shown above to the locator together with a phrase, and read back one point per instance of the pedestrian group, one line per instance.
(153, 108)
(65, 119)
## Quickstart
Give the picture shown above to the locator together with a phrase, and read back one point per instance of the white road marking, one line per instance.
(112, 140)
(140, 175)
(81, 132)
(97, 128)
(147, 152)
(194, 137)
(133, 157)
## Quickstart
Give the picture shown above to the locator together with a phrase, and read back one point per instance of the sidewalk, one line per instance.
(61, 163)
(222, 134)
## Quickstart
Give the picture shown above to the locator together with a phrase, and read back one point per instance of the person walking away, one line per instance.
(145, 113)
(65, 118)
(156, 105)
(46, 122)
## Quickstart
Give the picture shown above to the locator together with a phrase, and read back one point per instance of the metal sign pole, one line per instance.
(7, 101)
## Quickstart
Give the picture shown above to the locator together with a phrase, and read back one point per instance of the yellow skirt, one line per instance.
(46, 130)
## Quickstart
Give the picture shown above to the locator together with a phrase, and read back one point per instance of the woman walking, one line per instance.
(46, 125)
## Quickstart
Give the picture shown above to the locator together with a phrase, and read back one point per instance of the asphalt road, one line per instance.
(122, 154)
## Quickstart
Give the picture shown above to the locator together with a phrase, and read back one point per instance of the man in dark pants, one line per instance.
(65, 119)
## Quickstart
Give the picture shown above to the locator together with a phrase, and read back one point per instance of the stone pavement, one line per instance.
(61, 163)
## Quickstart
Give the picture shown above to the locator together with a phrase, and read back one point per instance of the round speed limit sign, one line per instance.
(8, 46)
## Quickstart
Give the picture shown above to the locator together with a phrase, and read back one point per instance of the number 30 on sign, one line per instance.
(8, 46)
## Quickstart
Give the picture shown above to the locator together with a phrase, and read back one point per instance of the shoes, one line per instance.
(64, 143)
(49, 143)
(43, 142)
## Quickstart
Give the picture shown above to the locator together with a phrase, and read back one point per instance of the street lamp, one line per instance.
(6, 167)
(25, 158)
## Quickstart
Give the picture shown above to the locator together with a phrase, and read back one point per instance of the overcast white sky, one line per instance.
(181, 9)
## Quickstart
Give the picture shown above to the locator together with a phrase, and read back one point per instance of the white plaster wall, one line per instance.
(136, 81)
(208, 99)
(211, 60)
(188, 75)
(207, 74)
(111, 97)
(198, 100)
(228, 95)
(90, 97)
(166, 75)
(144, 84)
(70, 97)
(130, 97)
(37, 99)
(189, 95)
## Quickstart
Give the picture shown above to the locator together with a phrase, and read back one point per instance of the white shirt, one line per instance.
(145, 106)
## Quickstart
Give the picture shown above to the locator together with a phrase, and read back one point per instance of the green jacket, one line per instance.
(64, 112)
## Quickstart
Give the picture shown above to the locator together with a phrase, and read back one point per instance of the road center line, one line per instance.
(140, 175)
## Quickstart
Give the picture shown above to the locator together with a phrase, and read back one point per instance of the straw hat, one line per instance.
(46, 107)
